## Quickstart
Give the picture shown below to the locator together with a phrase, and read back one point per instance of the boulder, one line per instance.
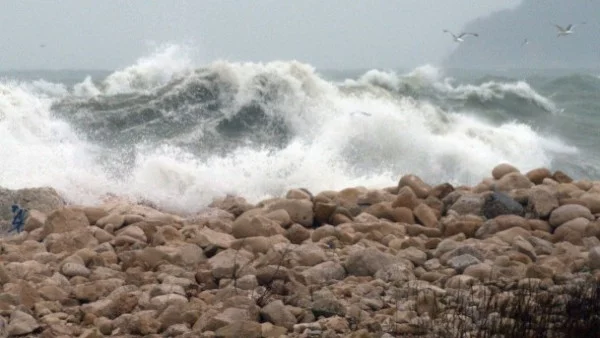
(569, 212)
(572, 231)
(206, 237)
(71, 241)
(297, 233)
(511, 181)
(277, 313)
(538, 175)
(42, 199)
(420, 188)
(460, 263)
(64, 220)
(35, 220)
(468, 204)
(233, 204)
(299, 194)
(21, 323)
(396, 273)
(115, 219)
(592, 201)
(426, 215)
(561, 177)
(542, 202)
(441, 190)
(594, 258)
(367, 262)
(502, 169)
(407, 198)
(227, 262)
(299, 210)
(324, 272)
(242, 328)
(256, 226)
(497, 203)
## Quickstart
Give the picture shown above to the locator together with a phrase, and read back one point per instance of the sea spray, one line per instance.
(179, 134)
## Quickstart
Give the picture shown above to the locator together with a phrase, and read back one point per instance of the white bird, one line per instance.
(565, 31)
(460, 37)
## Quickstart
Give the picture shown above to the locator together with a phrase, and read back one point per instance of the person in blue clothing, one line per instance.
(20, 215)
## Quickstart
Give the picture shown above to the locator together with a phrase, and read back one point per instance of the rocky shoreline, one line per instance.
(516, 255)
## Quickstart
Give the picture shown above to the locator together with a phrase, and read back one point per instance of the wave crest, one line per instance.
(179, 135)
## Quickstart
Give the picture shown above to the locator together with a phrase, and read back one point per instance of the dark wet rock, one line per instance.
(498, 203)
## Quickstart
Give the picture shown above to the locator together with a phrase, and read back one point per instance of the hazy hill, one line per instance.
(502, 33)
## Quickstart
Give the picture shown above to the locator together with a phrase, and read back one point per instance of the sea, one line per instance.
(168, 130)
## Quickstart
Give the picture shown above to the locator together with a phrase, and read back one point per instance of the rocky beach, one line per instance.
(517, 254)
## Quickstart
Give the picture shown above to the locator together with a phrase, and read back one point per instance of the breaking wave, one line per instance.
(180, 134)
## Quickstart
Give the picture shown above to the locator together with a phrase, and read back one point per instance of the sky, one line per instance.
(332, 34)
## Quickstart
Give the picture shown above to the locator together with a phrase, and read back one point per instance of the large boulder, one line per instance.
(42, 199)
(65, 220)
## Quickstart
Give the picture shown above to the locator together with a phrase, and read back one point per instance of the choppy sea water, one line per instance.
(179, 134)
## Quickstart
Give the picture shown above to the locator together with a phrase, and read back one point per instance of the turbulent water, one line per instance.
(179, 134)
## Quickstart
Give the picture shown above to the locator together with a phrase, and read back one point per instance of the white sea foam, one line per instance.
(332, 149)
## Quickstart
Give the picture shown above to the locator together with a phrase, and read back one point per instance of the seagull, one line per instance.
(565, 31)
(460, 37)
(525, 42)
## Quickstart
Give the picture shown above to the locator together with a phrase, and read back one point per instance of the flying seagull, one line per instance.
(525, 42)
(460, 37)
(565, 31)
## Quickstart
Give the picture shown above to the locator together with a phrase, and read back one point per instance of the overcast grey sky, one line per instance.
(112, 34)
